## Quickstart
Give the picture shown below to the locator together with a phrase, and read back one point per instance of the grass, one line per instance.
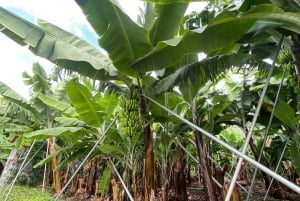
(24, 193)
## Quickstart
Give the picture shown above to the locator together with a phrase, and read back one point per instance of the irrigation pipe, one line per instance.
(121, 180)
(281, 179)
(19, 172)
(266, 134)
(255, 117)
(86, 158)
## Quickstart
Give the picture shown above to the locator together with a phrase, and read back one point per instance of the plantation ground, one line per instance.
(24, 193)
(196, 193)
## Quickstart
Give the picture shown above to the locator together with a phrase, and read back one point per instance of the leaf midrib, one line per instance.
(130, 48)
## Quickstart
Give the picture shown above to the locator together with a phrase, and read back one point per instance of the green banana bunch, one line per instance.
(129, 116)
(285, 60)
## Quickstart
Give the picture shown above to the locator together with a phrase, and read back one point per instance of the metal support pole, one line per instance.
(249, 135)
(265, 135)
(121, 180)
(19, 172)
(86, 158)
(276, 169)
(243, 188)
(186, 151)
(281, 179)
(45, 168)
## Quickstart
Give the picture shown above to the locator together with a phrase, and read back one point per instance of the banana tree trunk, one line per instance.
(9, 168)
(1, 168)
(296, 55)
(165, 174)
(276, 190)
(54, 166)
(179, 177)
(149, 170)
(263, 161)
(208, 184)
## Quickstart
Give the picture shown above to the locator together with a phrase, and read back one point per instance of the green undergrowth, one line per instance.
(25, 193)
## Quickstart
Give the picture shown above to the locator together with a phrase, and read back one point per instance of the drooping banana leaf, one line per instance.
(38, 81)
(58, 46)
(16, 99)
(55, 132)
(168, 53)
(122, 38)
(16, 128)
(59, 152)
(69, 121)
(58, 105)
(224, 31)
(199, 73)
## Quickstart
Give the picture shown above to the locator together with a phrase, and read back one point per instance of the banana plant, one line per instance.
(82, 116)
(17, 117)
(151, 46)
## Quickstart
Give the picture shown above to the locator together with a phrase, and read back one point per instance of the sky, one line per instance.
(16, 59)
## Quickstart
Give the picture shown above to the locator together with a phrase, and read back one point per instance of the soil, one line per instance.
(196, 193)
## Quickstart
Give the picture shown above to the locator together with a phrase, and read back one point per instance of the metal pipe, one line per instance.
(230, 148)
(255, 117)
(45, 168)
(266, 134)
(276, 169)
(121, 180)
(19, 172)
(242, 187)
(86, 158)
(186, 151)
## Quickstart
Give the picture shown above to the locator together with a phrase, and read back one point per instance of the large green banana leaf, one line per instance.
(200, 72)
(70, 121)
(58, 46)
(122, 38)
(108, 104)
(16, 128)
(89, 110)
(55, 132)
(60, 106)
(222, 32)
(294, 151)
(167, 22)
